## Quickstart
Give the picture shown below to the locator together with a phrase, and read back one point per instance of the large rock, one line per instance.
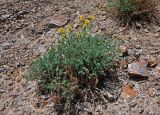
(138, 69)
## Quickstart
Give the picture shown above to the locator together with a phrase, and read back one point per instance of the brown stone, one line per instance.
(137, 69)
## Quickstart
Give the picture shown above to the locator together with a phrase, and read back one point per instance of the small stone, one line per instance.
(6, 16)
(10, 83)
(16, 73)
(140, 110)
(123, 50)
(128, 91)
(157, 34)
(146, 30)
(131, 52)
(18, 79)
(11, 70)
(123, 64)
(96, 113)
(2, 106)
(158, 92)
(137, 69)
(151, 92)
(156, 72)
(6, 46)
(13, 94)
(22, 12)
(138, 25)
(2, 91)
(109, 96)
(58, 21)
(152, 62)
(133, 104)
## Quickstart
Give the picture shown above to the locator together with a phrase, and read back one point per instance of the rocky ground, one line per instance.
(26, 32)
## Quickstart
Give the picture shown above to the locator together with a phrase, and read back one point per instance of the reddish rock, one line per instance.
(137, 69)
(128, 91)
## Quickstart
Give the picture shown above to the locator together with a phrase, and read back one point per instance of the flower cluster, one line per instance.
(84, 22)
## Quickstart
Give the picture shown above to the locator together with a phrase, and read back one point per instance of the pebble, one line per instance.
(6, 16)
(152, 62)
(2, 91)
(2, 106)
(11, 70)
(157, 34)
(156, 72)
(133, 104)
(10, 83)
(13, 94)
(151, 92)
(123, 50)
(22, 12)
(6, 46)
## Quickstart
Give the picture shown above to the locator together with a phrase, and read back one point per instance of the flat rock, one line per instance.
(58, 21)
(138, 69)
(128, 91)
(6, 16)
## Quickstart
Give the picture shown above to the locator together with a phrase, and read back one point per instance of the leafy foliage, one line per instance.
(130, 6)
(131, 11)
(125, 6)
(79, 60)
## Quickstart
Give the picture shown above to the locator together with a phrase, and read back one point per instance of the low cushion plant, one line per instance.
(80, 59)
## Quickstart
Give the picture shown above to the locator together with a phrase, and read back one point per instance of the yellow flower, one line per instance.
(86, 22)
(62, 30)
(84, 25)
(69, 28)
(63, 35)
(92, 17)
(81, 18)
